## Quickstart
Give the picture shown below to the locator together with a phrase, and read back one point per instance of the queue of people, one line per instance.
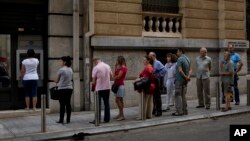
(176, 74)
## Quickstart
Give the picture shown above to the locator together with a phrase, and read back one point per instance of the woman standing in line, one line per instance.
(119, 77)
(65, 87)
(147, 72)
(169, 79)
(30, 78)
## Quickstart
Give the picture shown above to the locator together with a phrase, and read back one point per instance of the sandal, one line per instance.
(120, 119)
(224, 109)
(176, 114)
(116, 117)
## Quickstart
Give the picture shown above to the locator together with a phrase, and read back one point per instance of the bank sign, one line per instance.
(242, 44)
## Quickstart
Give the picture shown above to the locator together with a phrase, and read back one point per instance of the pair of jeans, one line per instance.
(203, 92)
(170, 92)
(104, 94)
(180, 97)
(157, 98)
(236, 89)
(30, 87)
(64, 100)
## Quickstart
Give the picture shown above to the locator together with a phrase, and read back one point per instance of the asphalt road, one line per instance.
(200, 130)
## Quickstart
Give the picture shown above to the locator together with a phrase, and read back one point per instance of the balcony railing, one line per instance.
(162, 25)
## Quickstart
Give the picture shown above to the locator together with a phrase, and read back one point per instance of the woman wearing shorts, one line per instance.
(119, 77)
(30, 78)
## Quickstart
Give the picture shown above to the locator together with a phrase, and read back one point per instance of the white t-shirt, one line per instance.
(30, 69)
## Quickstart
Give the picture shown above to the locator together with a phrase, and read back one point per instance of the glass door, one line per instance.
(5, 71)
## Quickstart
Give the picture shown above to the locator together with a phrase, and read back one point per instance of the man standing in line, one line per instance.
(235, 58)
(183, 73)
(101, 80)
(159, 72)
(203, 63)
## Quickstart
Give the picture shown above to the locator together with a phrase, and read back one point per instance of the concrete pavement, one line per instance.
(27, 125)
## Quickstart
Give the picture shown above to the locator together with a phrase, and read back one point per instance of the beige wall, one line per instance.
(118, 17)
(201, 18)
(60, 41)
(235, 19)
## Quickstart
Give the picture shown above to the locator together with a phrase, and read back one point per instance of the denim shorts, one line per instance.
(30, 87)
(121, 91)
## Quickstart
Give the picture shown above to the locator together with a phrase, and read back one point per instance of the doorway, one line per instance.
(23, 25)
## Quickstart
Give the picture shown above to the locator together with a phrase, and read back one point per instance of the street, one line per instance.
(200, 130)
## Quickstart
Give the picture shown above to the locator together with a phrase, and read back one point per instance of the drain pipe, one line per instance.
(88, 31)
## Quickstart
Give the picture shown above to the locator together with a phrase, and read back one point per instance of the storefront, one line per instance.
(23, 25)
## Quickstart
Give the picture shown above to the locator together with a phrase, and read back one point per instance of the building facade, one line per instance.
(85, 29)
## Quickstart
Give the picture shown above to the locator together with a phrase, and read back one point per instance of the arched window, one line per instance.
(165, 6)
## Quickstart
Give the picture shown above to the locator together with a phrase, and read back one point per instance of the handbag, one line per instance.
(54, 93)
(142, 84)
(114, 88)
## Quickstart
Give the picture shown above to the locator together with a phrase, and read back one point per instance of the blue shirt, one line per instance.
(235, 58)
(159, 69)
(183, 62)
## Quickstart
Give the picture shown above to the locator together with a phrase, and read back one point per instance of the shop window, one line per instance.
(163, 6)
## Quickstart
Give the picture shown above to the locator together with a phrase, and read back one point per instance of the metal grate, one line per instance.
(166, 6)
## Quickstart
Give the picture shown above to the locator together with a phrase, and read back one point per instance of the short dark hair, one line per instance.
(31, 53)
(181, 50)
(67, 60)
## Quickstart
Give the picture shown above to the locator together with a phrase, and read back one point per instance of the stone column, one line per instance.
(76, 64)
(221, 18)
(88, 31)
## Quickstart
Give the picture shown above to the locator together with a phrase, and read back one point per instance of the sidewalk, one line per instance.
(28, 127)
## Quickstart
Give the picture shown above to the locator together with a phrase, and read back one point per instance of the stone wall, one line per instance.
(60, 39)
(235, 19)
(200, 18)
(118, 17)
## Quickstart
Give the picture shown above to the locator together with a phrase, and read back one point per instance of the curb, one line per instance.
(125, 127)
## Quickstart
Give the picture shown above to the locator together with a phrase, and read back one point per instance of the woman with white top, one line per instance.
(169, 79)
(30, 78)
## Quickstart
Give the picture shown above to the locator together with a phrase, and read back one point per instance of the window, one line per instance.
(166, 6)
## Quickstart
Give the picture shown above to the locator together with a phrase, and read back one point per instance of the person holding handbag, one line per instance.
(119, 77)
(65, 88)
(147, 72)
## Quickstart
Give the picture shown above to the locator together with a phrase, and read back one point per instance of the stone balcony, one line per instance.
(161, 25)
